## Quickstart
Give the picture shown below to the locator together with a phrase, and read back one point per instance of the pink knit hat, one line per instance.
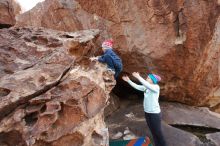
(107, 44)
(157, 77)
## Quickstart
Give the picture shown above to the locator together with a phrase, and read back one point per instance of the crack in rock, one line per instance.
(199, 131)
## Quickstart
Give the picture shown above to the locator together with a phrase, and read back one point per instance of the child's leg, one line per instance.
(118, 70)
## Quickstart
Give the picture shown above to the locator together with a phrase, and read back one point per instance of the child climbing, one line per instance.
(151, 105)
(109, 57)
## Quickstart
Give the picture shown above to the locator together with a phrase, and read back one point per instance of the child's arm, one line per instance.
(102, 59)
(99, 58)
(106, 58)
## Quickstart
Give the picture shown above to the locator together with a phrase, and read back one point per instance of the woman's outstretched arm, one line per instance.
(145, 83)
(134, 85)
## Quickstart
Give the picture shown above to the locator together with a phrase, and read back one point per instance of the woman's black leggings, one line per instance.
(154, 123)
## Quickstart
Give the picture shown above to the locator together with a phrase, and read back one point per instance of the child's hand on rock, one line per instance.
(93, 58)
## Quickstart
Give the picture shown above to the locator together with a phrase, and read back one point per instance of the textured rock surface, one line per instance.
(50, 93)
(179, 114)
(8, 10)
(177, 39)
(199, 121)
(113, 105)
(65, 15)
(179, 137)
(215, 137)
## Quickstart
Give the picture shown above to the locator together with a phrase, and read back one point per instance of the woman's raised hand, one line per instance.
(125, 78)
(136, 74)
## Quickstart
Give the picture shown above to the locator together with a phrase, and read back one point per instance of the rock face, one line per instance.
(214, 137)
(113, 105)
(65, 15)
(178, 114)
(50, 92)
(199, 121)
(8, 10)
(177, 39)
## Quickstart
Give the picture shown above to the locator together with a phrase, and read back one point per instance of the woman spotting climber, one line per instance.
(109, 57)
(151, 105)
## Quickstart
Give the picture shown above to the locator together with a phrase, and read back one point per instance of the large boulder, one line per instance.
(8, 10)
(50, 92)
(65, 15)
(181, 124)
(177, 39)
(214, 137)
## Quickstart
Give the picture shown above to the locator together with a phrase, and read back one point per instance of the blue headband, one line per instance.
(153, 78)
